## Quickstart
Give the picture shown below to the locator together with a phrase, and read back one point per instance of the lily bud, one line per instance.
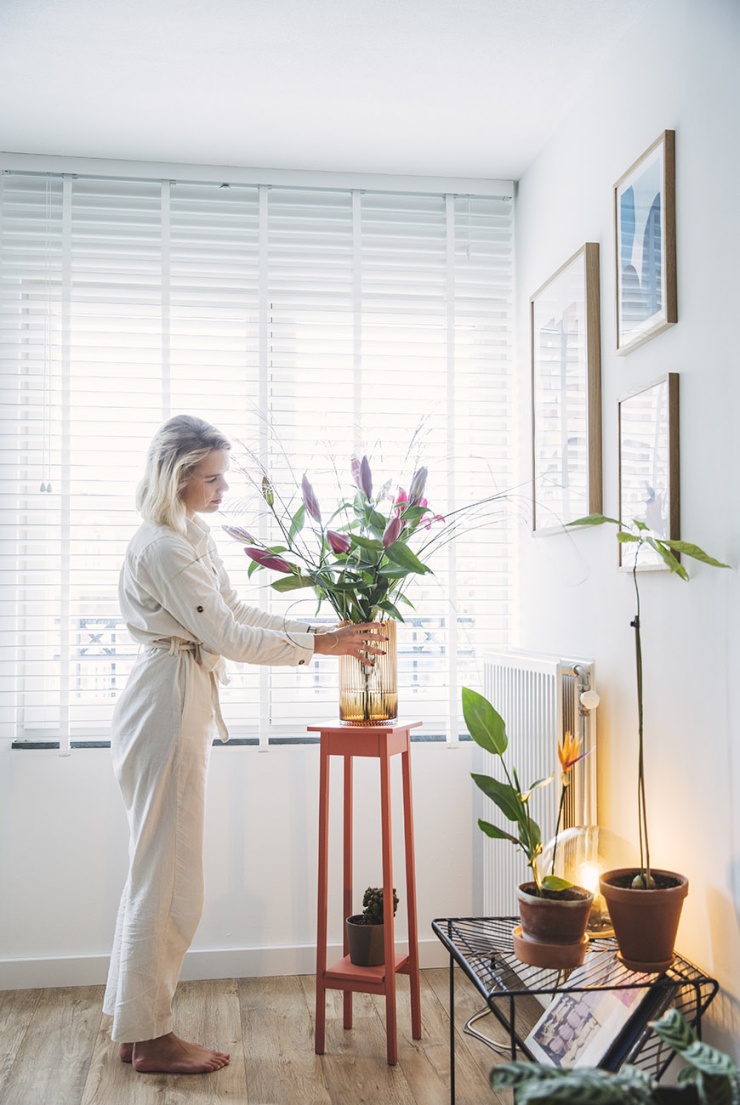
(310, 501)
(366, 477)
(267, 493)
(267, 560)
(238, 534)
(339, 542)
(417, 486)
(392, 530)
(355, 466)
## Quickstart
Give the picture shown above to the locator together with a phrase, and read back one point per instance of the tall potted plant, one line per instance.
(553, 912)
(645, 905)
(360, 560)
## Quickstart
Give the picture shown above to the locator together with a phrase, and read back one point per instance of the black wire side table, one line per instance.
(484, 948)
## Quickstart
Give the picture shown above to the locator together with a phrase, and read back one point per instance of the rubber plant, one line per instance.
(641, 537)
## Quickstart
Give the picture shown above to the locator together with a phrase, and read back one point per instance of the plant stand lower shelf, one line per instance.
(484, 948)
(380, 742)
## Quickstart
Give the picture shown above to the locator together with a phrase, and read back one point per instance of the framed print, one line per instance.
(645, 245)
(566, 394)
(579, 1029)
(648, 466)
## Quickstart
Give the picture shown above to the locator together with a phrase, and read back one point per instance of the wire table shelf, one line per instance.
(483, 947)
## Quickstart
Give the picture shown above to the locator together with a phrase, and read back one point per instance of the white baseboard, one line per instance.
(92, 970)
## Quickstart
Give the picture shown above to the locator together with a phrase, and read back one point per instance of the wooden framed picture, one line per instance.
(645, 245)
(649, 490)
(580, 1028)
(566, 393)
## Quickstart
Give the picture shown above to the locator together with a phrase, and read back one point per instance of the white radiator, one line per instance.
(539, 698)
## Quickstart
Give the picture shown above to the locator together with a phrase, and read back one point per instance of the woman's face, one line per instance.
(206, 487)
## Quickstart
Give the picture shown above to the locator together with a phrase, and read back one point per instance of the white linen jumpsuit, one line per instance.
(177, 601)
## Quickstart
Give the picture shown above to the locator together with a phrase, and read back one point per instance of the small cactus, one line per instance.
(372, 902)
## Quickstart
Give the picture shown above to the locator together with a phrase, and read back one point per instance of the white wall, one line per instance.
(64, 859)
(677, 69)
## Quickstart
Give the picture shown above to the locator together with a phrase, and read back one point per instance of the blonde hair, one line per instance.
(176, 450)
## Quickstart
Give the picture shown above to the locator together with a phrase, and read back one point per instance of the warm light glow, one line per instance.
(588, 876)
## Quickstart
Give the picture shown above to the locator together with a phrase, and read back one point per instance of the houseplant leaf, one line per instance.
(402, 554)
(494, 832)
(292, 583)
(693, 551)
(485, 726)
(504, 796)
(668, 557)
(593, 520)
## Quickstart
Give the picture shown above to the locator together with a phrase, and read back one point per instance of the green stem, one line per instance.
(557, 827)
(641, 795)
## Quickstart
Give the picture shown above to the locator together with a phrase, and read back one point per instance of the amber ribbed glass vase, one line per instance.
(370, 695)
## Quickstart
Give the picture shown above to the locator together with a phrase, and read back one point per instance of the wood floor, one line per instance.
(55, 1048)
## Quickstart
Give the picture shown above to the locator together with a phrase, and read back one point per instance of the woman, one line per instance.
(178, 604)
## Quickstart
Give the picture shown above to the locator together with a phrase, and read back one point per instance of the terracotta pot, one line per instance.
(553, 930)
(645, 921)
(366, 942)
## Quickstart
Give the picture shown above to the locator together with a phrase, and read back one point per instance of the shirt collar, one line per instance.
(197, 532)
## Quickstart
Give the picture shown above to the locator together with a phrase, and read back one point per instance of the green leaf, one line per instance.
(552, 882)
(393, 573)
(296, 524)
(640, 525)
(387, 606)
(624, 536)
(485, 726)
(402, 598)
(494, 832)
(292, 583)
(253, 567)
(593, 520)
(693, 551)
(414, 513)
(544, 782)
(401, 554)
(504, 795)
(376, 522)
(678, 1034)
(366, 543)
(668, 557)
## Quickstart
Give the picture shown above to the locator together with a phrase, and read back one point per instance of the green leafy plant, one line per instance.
(360, 558)
(709, 1077)
(641, 537)
(372, 901)
(488, 730)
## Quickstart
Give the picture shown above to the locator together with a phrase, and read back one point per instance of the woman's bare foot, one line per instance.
(171, 1055)
(126, 1052)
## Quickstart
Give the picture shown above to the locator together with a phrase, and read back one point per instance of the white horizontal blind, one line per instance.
(304, 323)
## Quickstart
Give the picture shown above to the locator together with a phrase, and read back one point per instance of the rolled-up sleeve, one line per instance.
(186, 588)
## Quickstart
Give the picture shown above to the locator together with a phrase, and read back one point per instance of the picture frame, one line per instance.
(565, 328)
(645, 245)
(649, 489)
(592, 1027)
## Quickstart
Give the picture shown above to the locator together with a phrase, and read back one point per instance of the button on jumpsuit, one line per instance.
(177, 602)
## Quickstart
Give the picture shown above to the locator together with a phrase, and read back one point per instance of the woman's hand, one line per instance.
(350, 640)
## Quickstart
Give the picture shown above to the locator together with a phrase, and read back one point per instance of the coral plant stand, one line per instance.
(381, 743)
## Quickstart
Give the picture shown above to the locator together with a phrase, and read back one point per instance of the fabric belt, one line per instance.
(210, 662)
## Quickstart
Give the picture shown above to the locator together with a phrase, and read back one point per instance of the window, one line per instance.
(303, 322)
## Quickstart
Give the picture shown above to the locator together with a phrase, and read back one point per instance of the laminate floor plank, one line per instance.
(208, 1013)
(52, 1061)
(110, 1082)
(17, 1008)
(354, 1063)
(281, 1064)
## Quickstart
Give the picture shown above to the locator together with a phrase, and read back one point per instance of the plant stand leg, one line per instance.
(347, 874)
(408, 825)
(323, 886)
(390, 944)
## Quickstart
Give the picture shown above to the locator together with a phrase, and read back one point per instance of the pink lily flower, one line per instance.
(436, 518)
(238, 534)
(267, 560)
(392, 531)
(309, 500)
(339, 542)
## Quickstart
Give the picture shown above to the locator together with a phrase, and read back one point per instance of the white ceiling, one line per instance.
(442, 87)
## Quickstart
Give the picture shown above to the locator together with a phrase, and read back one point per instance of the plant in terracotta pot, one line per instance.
(553, 912)
(645, 904)
(708, 1078)
(366, 930)
(359, 559)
